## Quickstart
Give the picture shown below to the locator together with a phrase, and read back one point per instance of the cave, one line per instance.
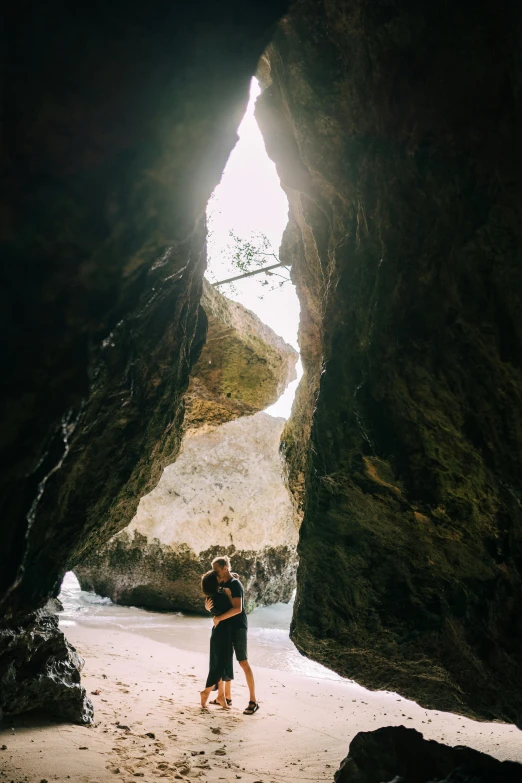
(393, 126)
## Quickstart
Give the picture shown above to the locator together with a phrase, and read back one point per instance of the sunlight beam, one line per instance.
(249, 200)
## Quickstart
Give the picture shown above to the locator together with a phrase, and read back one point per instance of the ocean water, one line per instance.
(269, 644)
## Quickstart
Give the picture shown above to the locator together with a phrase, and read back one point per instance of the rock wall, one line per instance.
(116, 125)
(243, 368)
(224, 495)
(396, 132)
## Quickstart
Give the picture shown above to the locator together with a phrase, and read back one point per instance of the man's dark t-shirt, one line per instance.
(236, 589)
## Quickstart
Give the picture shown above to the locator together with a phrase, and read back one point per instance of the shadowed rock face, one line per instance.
(243, 368)
(116, 125)
(223, 495)
(395, 754)
(396, 132)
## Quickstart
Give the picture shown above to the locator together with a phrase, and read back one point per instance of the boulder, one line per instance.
(41, 670)
(243, 367)
(224, 495)
(395, 754)
(396, 136)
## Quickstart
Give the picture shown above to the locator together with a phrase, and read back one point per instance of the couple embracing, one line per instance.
(225, 600)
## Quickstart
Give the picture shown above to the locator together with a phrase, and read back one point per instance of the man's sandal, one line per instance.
(253, 707)
(229, 702)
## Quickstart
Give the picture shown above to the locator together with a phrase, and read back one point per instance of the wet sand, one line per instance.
(149, 724)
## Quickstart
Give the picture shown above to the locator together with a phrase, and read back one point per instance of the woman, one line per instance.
(221, 668)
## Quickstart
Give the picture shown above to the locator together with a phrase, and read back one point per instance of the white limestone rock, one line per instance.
(224, 494)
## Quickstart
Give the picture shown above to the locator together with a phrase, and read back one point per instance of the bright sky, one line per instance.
(249, 200)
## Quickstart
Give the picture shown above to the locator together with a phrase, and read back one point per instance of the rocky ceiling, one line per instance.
(396, 130)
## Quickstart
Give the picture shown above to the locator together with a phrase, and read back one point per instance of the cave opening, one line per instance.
(126, 583)
(396, 132)
(239, 398)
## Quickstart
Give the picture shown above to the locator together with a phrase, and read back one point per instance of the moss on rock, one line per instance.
(243, 368)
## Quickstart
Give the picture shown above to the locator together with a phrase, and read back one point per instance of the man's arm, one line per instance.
(237, 608)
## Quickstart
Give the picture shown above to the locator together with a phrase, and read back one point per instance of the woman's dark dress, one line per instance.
(221, 665)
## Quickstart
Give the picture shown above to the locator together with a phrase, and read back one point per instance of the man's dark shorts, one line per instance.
(239, 640)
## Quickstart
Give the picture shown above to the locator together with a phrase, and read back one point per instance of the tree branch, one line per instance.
(249, 274)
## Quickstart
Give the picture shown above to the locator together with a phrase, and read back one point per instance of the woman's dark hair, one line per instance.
(209, 583)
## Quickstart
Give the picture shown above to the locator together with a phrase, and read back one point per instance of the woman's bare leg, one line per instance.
(221, 699)
(204, 694)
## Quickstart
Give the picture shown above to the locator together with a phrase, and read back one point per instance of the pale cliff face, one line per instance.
(225, 488)
(224, 495)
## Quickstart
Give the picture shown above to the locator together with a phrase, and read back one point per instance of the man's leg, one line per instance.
(250, 680)
(239, 640)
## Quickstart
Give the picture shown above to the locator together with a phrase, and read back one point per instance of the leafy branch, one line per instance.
(249, 257)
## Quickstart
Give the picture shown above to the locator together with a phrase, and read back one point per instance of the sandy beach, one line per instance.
(149, 723)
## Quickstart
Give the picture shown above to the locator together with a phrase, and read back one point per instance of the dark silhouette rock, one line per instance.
(41, 670)
(396, 132)
(395, 754)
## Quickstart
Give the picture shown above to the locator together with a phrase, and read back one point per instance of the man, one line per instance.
(238, 619)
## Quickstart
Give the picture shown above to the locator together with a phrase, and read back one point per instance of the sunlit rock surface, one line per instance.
(243, 368)
(224, 495)
(395, 754)
(117, 122)
(396, 133)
